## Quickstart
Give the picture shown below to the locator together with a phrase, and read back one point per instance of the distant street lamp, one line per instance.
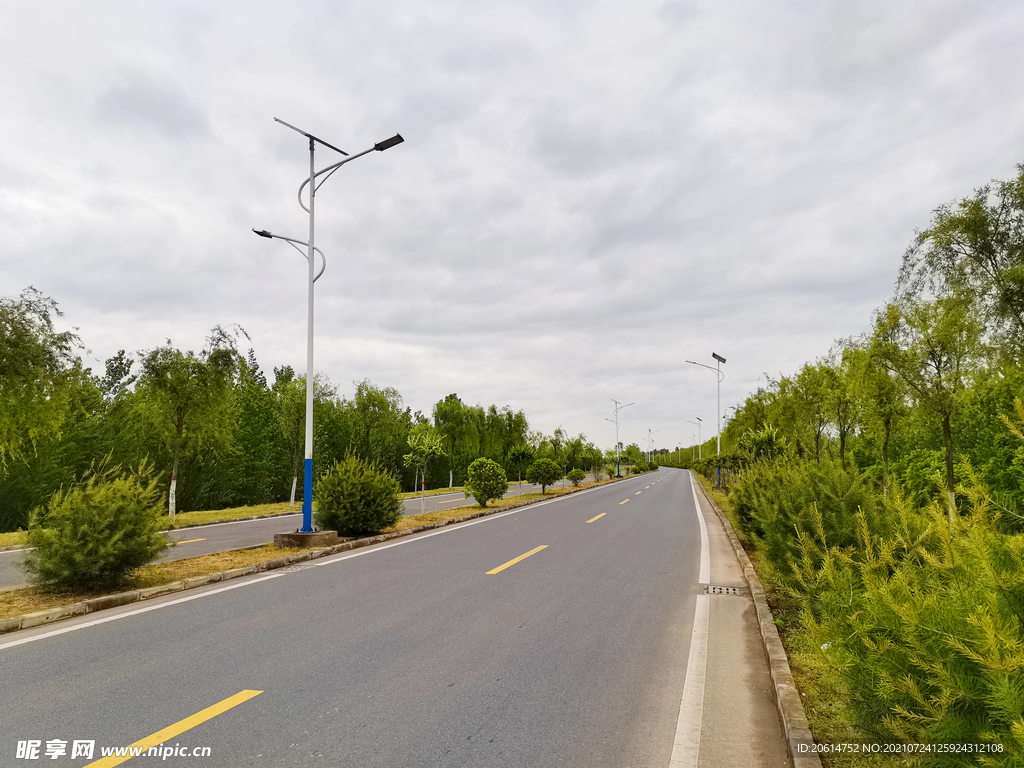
(650, 444)
(700, 445)
(618, 408)
(307, 497)
(718, 413)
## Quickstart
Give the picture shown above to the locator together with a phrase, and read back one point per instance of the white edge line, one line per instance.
(326, 561)
(705, 560)
(686, 745)
(137, 611)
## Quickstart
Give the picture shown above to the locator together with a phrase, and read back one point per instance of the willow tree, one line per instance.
(934, 348)
(189, 394)
(36, 372)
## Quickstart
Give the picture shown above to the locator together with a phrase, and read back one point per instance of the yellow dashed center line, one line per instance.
(452, 501)
(638, 493)
(597, 518)
(191, 541)
(512, 562)
(622, 502)
(177, 729)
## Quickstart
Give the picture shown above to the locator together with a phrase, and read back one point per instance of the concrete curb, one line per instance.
(787, 698)
(123, 598)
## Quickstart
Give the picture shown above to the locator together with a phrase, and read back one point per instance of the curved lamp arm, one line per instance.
(295, 244)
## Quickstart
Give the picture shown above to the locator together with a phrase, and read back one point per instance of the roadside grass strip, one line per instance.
(17, 602)
(597, 518)
(140, 747)
(513, 561)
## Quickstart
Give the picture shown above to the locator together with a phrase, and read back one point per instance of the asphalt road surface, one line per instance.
(570, 633)
(203, 540)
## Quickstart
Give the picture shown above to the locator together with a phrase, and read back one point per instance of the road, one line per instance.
(202, 540)
(569, 633)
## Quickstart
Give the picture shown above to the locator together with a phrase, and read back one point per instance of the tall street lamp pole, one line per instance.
(650, 444)
(618, 471)
(307, 486)
(700, 445)
(718, 414)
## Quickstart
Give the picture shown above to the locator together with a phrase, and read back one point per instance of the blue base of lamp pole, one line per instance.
(307, 498)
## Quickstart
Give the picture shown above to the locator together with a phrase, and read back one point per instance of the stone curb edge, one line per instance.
(787, 698)
(51, 615)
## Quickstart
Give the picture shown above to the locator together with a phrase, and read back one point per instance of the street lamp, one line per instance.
(618, 472)
(718, 413)
(307, 497)
(700, 448)
(649, 444)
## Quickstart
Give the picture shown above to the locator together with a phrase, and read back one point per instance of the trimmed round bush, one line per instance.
(543, 472)
(92, 535)
(576, 476)
(356, 498)
(486, 481)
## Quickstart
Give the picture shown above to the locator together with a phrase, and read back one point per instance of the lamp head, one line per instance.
(380, 146)
(262, 232)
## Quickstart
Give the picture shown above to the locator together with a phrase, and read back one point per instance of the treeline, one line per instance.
(926, 392)
(220, 430)
(883, 489)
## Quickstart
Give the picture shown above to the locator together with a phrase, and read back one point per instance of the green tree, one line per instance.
(424, 444)
(975, 247)
(485, 481)
(355, 497)
(189, 393)
(450, 419)
(36, 364)
(96, 532)
(933, 347)
(543, 472)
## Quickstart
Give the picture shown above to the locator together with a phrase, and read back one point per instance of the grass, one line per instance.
(431, 492)
(233, 513)
(12, 538)
(15, 602)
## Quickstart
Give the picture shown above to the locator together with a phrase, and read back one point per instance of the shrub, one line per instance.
(486, 481)
(543, 472)
(357, 498)
(577, 476)
(96, 532)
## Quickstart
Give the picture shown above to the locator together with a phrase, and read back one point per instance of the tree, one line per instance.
(35, 372)
(486, 480)
(450, 421)
(840, 397)
(882, 394)
(96, 532)
(189, 391)
(543, 472)
(975, 247)
(424, 444)
(932, 347)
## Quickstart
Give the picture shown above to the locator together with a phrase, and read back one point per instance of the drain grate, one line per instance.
(713, 590)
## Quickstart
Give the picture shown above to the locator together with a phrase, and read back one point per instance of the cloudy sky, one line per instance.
(590, 193)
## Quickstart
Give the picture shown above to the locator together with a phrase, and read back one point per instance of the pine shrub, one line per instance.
(485, 481)
(93, 534)
(357, 498)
